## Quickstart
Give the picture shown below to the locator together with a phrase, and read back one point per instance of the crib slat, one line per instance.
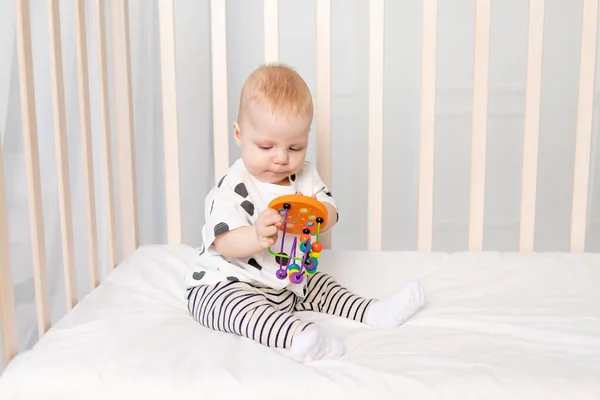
(532, 124)
(62, 155)
(29, 120)
(170, 125)
(271, 15)
(121, 72)
(376, 49)
(323, 106)
(10, 346)
(480, 110)
(584, 125)
(218, 25)
(86, 141)
(105, 129)
(427, 125)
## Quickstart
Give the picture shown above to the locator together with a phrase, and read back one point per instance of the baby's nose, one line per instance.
(282, 158)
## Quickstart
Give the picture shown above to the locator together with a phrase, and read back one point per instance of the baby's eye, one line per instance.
(265, 147)
(293, 149)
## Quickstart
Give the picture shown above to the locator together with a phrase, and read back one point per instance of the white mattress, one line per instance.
(495, 326)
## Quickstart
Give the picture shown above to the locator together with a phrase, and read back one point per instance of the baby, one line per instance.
(236, 289)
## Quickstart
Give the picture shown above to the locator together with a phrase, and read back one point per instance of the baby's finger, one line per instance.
(267, 242)
(270, 230)
(269, 212)
(273, 219)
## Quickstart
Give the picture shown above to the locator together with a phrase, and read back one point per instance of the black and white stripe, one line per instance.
(265, 314)
(325, 295)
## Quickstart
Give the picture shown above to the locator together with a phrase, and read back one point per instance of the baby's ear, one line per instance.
(236, 133)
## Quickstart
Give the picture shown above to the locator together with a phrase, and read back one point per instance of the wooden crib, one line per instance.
(543, 335)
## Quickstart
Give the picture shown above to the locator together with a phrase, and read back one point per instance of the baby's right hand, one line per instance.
(266, 227)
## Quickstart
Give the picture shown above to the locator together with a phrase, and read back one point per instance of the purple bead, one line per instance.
(281, 273)
(297, 277)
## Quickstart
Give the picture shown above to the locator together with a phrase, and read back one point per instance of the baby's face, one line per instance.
(273, 146)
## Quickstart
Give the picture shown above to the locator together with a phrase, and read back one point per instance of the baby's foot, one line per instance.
(398, 308)
(315, 344)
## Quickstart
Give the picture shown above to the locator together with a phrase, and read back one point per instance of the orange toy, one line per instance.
(302, 213)
(302, 216)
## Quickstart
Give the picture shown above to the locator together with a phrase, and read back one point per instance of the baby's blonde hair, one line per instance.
(278, 87)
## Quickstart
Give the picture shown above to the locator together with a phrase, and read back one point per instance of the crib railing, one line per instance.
(123, 123)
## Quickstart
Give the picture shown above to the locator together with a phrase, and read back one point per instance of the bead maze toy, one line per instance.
(302, 216)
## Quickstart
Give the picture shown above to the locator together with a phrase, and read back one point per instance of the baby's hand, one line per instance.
(314, 196)
(266, 227)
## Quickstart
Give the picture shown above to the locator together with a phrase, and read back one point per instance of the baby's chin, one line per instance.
(274, 179)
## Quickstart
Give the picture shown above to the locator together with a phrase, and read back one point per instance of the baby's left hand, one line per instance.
(314, 196)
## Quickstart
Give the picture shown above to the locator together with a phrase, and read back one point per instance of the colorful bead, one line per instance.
(313, 262)
(310, 272)
(296, 277)
(281, 274)
(294, 267)
(314, 254)
(317, 247)
(305, 238)
(303, 247)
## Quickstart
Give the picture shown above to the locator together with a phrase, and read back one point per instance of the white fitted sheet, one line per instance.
(495, 326)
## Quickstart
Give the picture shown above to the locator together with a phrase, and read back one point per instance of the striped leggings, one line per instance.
(265, 315)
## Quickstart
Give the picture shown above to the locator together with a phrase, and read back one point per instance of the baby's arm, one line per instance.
(321, 192)
(238, 243)
(232, 229)
(332, 217)
(248, 240)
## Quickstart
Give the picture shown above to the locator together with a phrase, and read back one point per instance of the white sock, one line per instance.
(398, 308)
(315, 344)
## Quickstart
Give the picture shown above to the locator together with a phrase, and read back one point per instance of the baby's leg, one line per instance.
(238, 308)
(324, 294)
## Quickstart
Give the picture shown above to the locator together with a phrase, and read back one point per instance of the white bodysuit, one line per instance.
(236, 201)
